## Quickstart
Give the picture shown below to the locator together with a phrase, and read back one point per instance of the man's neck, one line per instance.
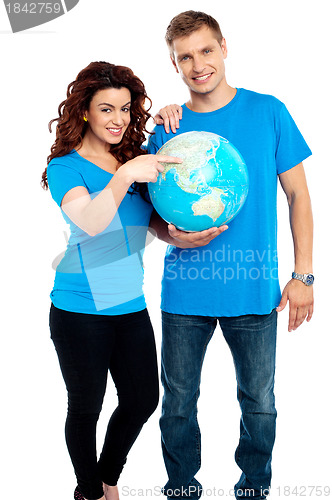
(204, 103)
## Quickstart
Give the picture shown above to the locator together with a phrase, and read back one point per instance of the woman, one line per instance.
(96, 173)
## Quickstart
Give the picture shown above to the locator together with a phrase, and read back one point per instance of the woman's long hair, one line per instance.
(71, 127)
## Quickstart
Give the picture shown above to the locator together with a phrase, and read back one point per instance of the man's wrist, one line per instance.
(306, 278)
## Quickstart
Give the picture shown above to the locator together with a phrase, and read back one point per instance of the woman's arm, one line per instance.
(94, 215)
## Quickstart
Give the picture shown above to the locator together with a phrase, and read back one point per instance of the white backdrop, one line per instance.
(277, 47)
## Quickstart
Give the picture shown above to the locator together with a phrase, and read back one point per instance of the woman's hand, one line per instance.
(145, 168)
(169, 116)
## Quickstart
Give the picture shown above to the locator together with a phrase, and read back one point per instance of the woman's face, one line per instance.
(109, 115)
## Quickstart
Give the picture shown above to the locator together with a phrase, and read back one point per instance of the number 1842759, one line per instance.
(33, 8)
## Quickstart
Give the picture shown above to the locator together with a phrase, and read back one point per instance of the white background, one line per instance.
(276, 47)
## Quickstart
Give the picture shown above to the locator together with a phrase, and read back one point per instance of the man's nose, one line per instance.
(198, 64)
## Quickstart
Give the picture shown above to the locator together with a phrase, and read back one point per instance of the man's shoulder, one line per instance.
(158, 138)
(258, 98)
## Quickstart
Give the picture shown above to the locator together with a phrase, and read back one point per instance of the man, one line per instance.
(239, 287)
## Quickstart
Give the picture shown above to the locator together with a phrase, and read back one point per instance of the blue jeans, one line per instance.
(252, 341)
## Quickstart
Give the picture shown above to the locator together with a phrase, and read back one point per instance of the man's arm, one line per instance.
(299, 295)
(172, 236)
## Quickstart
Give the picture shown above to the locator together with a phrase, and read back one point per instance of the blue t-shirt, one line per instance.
(100, 274)
(237, 272)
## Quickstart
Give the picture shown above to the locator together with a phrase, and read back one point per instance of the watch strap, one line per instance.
(307, 279)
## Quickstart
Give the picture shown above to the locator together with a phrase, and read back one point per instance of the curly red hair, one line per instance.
(71, 127)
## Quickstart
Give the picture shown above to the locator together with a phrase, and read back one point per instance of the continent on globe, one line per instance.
(207, 189)
(210, 205)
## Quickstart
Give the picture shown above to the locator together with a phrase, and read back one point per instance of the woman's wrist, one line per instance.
(124, 175)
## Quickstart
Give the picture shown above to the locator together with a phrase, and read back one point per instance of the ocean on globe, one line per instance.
(208, 189)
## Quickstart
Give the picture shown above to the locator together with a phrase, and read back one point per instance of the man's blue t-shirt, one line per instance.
(100, 274)
(237, 272)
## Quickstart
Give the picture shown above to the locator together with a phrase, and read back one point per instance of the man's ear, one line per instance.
(174, 64)
(224, 48)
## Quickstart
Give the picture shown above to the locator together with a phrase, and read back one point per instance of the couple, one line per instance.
(97, 173)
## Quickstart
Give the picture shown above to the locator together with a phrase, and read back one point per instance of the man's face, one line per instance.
(199, 59)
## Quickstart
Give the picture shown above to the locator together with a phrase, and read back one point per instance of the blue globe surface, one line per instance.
(208, 189)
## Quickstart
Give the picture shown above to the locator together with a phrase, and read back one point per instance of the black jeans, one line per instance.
(89, 345)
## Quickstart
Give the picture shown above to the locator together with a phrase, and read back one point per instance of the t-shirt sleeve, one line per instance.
(155, 140)
(61, 178)
(291, 148)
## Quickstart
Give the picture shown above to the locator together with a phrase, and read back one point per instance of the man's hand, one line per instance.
(194, 239)
(169, 116)
(301, 303)
(182, 239)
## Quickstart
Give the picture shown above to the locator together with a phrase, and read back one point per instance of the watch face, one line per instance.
(309, 279)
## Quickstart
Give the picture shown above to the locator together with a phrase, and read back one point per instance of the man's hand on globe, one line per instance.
(184, 239)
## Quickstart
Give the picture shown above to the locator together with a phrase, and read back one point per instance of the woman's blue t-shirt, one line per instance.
(237, 272)
(100, 274)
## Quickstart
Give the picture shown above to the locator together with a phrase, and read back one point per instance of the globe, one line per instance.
(208, 189)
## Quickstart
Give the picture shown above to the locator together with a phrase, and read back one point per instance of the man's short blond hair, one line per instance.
(188, 22)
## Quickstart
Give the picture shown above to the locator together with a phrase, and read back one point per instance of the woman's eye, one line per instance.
(105, 110)
(126, 110)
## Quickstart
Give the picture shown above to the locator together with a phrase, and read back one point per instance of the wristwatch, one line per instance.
(307, 279)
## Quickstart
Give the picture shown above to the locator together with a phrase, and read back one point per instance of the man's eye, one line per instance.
(185, 58)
